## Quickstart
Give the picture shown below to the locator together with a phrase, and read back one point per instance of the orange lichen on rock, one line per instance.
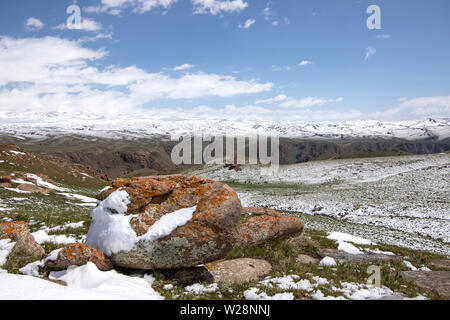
(78, 254)
(260, 229)
(10, 230)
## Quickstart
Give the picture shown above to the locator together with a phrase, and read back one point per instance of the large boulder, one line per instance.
(77, 254)
(260, 225)
(164, 222)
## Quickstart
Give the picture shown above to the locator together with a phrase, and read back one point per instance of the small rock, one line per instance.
(77, 254)
(238, 270)
(437, 282)
(6, 179)
(11, 230)
(304, 259)
(27, 247)
(441, 264)
(368, 257)
(254, 211)
(257, 230)
(28, 187)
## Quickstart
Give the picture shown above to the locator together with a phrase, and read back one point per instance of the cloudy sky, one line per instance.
(235, 59)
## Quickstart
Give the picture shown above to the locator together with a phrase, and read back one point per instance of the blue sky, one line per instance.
(276, 60)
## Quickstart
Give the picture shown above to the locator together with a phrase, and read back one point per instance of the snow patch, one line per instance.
(328, 262)
(253, 294)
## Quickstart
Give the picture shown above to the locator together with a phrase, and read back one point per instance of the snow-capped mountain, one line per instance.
(131, 126)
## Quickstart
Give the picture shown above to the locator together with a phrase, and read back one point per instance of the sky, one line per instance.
(294, 60)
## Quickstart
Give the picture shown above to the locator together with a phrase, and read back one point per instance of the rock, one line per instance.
(28, 187)
(6, 179)
(32, 188)
(441, 264)
(238, 270)
(257, 230)
(27, 247)
(437, 282)
(206, 237)
(11, 230)
(367, 257)
(304, 259)
(260, 211)
(77, 254)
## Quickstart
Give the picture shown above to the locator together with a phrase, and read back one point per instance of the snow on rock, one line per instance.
(201, 289)
(409, 265)
(168, 223)
(111, 232)
(32, 269)
(91, 279)
(17, 153)
(41, 183)
(348, 247)
(95, 286)
(5, 248)
(254, 294)
(328, 262)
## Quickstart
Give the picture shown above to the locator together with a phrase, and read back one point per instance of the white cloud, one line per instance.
(85, 25)
(115, 7)
(287, 102)
(247, 24)
(304, 63)
(54, 74)
(215, 7)
(279, 98)
(370, 52)
(419, 108)
(185, 66)
(307, 102)
(33, 24)
(383, 36)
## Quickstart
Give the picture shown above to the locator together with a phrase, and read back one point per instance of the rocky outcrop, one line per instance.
(237, 271)
(77, 254)
(367, 257)
(260, 225)
(441, 264)
(206, 237)
(437, 282)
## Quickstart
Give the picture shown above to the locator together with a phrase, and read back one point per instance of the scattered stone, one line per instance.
(305, 259)
(260, 211)
(27, 247)
(12, 230)
(367, 257)
(28, 187)
(437, 282)
(238, 270)
(206, 237)
(77, 254)
(441, 264)
(257, 230)
(6, 179)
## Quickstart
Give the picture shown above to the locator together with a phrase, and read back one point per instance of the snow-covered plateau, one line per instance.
(132, 126)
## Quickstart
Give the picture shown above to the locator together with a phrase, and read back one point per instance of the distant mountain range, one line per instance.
(135, 126)
(129, 145)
